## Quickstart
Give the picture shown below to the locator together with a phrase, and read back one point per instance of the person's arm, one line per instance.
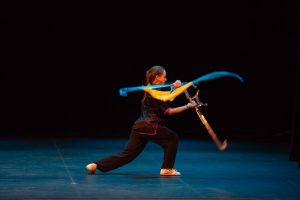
(173, 111)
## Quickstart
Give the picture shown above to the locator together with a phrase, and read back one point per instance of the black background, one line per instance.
(62, 68)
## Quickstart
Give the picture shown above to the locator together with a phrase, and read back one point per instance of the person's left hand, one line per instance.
(177, 84)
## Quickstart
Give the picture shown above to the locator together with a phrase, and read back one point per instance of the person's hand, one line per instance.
(192, 104)
(177, 84)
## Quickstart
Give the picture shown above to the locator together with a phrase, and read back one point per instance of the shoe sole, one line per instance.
(170, 174)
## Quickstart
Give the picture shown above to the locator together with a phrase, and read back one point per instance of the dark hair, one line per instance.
(152, 72)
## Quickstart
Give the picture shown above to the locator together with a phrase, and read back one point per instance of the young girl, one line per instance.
(149, 126)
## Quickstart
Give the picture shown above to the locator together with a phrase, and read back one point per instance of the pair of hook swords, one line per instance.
(221, 145)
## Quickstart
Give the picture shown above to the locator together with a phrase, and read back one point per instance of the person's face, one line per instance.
(161, 79)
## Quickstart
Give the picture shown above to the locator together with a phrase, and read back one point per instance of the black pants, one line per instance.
(165, 137)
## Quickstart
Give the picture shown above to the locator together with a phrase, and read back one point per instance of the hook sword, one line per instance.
(221, 145)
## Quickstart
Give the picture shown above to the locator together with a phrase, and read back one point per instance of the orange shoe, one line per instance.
(91, 168)
(169, 172)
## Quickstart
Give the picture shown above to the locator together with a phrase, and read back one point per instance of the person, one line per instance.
(149, 126)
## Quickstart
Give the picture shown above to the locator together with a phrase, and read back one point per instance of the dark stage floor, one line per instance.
(55, 169)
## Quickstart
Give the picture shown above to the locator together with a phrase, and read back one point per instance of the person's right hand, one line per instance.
(192, 104)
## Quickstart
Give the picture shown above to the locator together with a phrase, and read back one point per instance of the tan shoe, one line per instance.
(169, 172)
(91, 168)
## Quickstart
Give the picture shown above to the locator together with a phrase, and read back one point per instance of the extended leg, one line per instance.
(133, 148)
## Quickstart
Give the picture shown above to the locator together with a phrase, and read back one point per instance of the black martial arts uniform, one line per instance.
(149, 126)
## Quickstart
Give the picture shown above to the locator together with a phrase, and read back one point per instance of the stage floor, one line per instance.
(55, 169)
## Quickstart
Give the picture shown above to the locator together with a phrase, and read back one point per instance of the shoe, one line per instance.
(91, 168)
(169, 172)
